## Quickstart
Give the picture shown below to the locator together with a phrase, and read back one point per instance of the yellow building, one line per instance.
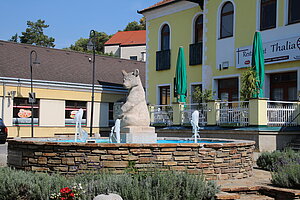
(217, 38)
(62, 83)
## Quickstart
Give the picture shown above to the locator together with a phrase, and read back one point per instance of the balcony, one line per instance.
(196, 54)
(163, 60)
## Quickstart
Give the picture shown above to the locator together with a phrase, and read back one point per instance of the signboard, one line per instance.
(278, 51)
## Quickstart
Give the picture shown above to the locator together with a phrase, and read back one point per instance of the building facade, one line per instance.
(217, 39)
(128, 45)
(62, 83)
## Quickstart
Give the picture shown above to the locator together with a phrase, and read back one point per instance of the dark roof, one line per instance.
(63, 65)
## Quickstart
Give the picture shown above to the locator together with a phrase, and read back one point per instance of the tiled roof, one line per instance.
(124, 38)
(63, 65)
(159, 4)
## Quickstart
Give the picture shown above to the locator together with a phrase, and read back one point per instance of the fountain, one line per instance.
(135, 142)
(194, 123)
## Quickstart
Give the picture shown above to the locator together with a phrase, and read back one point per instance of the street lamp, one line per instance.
(32, 94)
(91, 46)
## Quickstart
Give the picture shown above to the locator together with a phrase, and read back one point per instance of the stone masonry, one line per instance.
(220, 161)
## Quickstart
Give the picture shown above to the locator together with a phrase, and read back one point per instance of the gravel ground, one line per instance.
(3, 154)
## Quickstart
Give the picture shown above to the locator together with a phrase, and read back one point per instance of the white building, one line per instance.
(128, 45)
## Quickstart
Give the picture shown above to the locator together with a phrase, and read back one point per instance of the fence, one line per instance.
(233, 113)
(282, 113)
(188, 109)
(161, 115)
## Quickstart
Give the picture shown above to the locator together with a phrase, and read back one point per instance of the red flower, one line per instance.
(72, 194)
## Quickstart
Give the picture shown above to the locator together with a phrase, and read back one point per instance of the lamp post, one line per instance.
(91, 46)
(32, 94)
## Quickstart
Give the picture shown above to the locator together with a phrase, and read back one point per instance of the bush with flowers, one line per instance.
(66, 193)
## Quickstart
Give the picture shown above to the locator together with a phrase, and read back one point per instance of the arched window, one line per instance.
(198, 29)
(294, 14)
(267, 14)
(165, 37)
(226, 25)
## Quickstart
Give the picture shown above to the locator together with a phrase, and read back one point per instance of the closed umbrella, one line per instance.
(258, 64)
(180, 84)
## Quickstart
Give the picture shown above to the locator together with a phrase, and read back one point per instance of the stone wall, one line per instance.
(217, 161)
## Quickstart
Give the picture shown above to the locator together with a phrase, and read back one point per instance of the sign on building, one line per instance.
(278, 51)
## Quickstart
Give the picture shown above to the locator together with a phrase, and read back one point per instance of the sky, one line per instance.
(69, 20)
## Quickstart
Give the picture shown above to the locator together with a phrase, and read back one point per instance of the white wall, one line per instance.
(52, 113)
(115, 49)
(127, 51)
(100, 118)
(7, 112)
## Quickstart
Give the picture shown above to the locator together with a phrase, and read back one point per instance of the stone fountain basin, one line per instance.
(226, 160)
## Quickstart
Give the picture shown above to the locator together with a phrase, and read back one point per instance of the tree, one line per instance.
(100, 39)
(14, 38)
(248, 86)
(34, 34)
(135, 26)
(200, 96)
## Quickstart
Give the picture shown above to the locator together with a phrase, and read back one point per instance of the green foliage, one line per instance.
(100, 39)
(287, 176)
(143, 186)
(14, 38)
(200, 96)
(248, 86)
(34, 34)
(273, 160)
(135, 26)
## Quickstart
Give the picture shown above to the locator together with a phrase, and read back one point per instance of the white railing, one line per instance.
(282, 113)
(161, 115)
(234, 113)
(188, 109)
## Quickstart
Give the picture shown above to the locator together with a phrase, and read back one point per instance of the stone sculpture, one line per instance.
(134, 115)
(134, 111)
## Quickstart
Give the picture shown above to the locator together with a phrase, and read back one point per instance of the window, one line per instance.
(163, 57)
(226, 25)
(283, 86)
(70, 111)
(133, 57)
(111, 121)
(294, 13)
(196, 48)
(22, 112)
(196, 87)
(165, 38)
(228, 89)
(164, 95)
(198, 29)
(267, 14)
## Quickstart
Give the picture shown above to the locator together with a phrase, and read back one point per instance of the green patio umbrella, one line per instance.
(258, 64)
(180, 83)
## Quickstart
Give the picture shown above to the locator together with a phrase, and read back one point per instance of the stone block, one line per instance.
(68, 161)
(97, 151)
(112, 164)
(168, 149)
(61, 169)
(107, 157)
(184, 153)
(178, 168)
(117, 152)
(32, 160)
(49, 154)
(79, 159)
(163, 157)
(203, 165)
(39, 169)
(146, 159)
(42, 160)
(93, 159)
(140, 151)
(54, 161)
(182, 158)
(167, 163)
(130, 157)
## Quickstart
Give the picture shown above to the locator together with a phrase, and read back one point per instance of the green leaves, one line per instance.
(34, 34)
(249, 86)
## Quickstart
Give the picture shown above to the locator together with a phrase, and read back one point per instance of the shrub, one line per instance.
(287, 176)
(143, 186)
(271, 161)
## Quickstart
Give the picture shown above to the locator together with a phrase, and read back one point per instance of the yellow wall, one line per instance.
(181, 33)
(246, 13)
(52, 109)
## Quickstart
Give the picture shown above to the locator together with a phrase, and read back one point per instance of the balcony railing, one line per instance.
(163, 60)
(196, 54)
(186, 114)
(161, 115)
(282, 113)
